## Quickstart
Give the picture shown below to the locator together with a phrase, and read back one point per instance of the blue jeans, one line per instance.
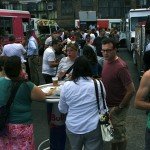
(147, 139)
(91, 140)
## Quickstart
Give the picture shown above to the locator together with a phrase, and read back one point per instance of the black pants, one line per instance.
(47, 78)
(58, 133)
(58, 138)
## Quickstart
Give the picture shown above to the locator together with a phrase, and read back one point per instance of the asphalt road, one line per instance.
(136, 120)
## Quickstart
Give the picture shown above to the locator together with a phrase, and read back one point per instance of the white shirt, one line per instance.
(147, 48)
(84, 35)
(92, 37)
(32, 47)
(79, 102)
(48, 41)
(48, 56)
(14, 49)
(64, 64)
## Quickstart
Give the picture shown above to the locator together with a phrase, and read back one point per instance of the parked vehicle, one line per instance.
(43, 28)
(87, 19)
(134, 18)
(103, 23)
(14, 22)
(142, 38)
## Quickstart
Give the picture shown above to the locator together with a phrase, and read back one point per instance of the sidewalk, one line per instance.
(136, 120)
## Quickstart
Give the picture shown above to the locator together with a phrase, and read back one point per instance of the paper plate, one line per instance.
(46, 88)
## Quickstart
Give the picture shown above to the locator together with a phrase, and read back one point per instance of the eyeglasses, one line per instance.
(107, 50)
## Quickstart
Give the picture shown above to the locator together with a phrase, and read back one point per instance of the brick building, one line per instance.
(66, 11)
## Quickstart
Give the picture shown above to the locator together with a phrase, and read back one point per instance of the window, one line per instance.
(5, 26)
(111, 10)
(41, 6)
(135, 21)
(103, 3)
(66, 7)
(16, 6)
(87, 4)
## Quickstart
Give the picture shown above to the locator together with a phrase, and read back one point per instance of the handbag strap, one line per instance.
(68, 71)
(97, 94)
(14, 89)
(102, 93)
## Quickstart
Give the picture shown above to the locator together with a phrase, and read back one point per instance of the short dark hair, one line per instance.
(1, 38)
(12, 67)
(2, 61)
(88, 36)
(109, 40)
(81, 68)
(12, 38)
(55, 40)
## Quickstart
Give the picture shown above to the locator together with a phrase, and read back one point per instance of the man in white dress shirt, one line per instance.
(33, 58)
(14, 49)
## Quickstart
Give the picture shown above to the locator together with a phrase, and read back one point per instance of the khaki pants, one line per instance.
(33, 65)
(118, 120)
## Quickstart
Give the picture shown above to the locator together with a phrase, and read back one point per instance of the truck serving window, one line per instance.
(5, 26)
(43, 29)
(135, 21)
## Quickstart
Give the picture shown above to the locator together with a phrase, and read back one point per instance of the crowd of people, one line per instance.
(78, 58)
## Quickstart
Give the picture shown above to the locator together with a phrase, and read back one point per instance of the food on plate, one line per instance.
(51, 91)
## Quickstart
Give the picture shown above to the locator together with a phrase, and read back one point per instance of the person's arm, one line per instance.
(3, 52)
(126, 100)
(63, 107)
(60, 72)
(143, 92)
(37, 94)
(125, 78)
(52, 60)
(130, 90)
(23, 49)
(32, 45)
(53, 63)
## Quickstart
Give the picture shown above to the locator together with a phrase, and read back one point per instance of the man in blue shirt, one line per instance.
(33, 58)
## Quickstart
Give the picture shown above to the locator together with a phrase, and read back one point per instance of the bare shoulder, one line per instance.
(146, 78)
(146, 75)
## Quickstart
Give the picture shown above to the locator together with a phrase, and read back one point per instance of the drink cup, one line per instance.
(55, 81)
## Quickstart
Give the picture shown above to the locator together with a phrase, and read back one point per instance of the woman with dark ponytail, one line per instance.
(20, 122)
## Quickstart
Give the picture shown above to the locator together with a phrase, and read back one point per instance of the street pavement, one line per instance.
(136, 120)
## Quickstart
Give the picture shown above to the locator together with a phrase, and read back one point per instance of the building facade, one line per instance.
(66, 11)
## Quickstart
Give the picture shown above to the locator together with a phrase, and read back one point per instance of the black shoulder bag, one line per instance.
(4, 110)
(68, 71)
